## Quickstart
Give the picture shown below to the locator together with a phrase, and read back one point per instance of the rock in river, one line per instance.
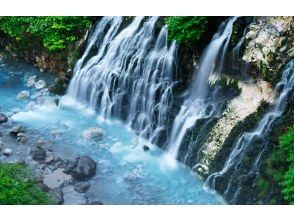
(40, 84)
(7, 151)
(85, 167)
(39, 154)
(82, 187)
(57, 196)
(16, 129)
(25, 94)
(3, 118)
(93, 134)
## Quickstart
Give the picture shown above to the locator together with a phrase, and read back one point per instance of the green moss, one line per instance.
(18, 188)
(186, 29)
(55, 32)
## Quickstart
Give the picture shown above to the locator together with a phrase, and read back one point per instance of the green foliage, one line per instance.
(56, 33)
(287, 144)
(186, 28)
(262, 186)
(18, 188)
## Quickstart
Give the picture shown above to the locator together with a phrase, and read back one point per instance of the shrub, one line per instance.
(186, 28)
(18, 188)
(287, 143)
(55, 32)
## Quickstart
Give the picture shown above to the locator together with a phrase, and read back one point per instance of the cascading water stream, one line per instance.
(131, 75)
(197, 105)
(235, 164)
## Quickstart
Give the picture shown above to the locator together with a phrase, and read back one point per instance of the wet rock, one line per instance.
(30, 106)
(39, 154)
(146, 148)
(31, 81)
(93, 134)
(49, 159)
(7, 151)
(3, 118)
(40, 144)
(85, 167)
(23, 140)
(16, 129)
(56, 179)
(23, 95)
(57, 196)
(68, 166)
(40, 84)
(82, 187)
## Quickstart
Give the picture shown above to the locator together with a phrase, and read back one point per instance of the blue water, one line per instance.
(126, 174)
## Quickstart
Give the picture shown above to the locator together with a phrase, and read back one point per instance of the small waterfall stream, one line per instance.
(199, 105)
(131, 75)
(235, 165)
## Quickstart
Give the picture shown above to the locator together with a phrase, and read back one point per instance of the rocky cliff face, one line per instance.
(269, 45)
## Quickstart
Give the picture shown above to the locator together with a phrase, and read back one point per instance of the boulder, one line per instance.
(56, 179)
(57, 196)
(38, 154)
(40, 84)
(16, 129)
(93, 134)
(85, 167)
(25, 94)
(82, 187)
(3, 118)
(7, 151)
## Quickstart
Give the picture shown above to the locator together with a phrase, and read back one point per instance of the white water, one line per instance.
(130, 77)
(234, 163)
(198, 106)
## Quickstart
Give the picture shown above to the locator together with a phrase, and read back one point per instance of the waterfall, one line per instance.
(200, 105)
(236, 165)
(127, 72)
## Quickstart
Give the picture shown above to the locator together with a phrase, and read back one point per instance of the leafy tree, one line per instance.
(56, 32)
(186, 28)
(18, 188)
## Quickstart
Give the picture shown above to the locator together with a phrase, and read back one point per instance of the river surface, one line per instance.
(126, 174)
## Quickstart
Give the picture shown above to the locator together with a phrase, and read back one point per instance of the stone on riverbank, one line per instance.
(16, 129)
(31, 81)
(85, 167)
(57, 196)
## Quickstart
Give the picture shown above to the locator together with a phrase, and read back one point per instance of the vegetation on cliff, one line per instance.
(56, 33)
(287, 144)
(186, 28)
(18, 188)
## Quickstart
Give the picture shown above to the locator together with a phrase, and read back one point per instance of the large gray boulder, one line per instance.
(85, 167)
(16, 129)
